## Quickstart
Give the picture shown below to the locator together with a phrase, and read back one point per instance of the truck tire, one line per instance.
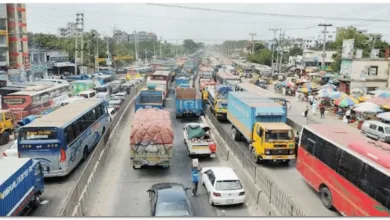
(36, 202)
(4, 139)
(236, 134)
(254, 155)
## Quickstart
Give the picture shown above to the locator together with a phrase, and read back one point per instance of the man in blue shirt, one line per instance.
(195, 179)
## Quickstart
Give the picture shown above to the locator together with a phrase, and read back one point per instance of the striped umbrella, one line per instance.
(303, 90)
(337, 95)
(368, 109)
(324, 93)
(346, 101)
(364, 98)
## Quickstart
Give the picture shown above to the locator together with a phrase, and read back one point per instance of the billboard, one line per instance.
(347, 51)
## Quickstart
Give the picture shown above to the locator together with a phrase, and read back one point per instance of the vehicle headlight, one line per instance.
(292, 151)
(267, 152)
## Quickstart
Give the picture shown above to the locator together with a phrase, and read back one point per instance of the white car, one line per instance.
(223, 186)
(12, 151)
(112, 112)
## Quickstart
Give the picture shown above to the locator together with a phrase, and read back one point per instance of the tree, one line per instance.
(263, 57)
(295, 51)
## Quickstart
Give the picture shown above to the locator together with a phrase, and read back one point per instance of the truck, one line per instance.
(188, 102)
(150, 97)
(7, 125)
(217, 100)
(151, 138)
(21, 184)
(262, 123)
(198, 139)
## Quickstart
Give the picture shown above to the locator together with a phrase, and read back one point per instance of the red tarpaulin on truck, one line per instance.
(151, 126)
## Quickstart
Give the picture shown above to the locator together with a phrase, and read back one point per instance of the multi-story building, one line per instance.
(120, 37)
(142, 36)
(69, 31)
(4, 56)
(17, 36)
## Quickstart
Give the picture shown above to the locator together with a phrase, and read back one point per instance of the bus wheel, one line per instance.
(85, 153)
(326, 197)
(4, 139)
(104, 130)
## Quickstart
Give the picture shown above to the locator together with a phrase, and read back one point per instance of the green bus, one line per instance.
(82, 85)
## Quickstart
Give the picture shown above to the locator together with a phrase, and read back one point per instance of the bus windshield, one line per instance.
(278, 135)
(14, 100)
(38, 134)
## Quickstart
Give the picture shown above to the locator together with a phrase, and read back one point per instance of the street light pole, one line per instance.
(274, 30)
(253, 44)
(160, 48)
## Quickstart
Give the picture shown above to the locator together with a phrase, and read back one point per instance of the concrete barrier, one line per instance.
(77, 203)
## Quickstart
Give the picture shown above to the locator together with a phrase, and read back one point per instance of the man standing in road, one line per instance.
(195, 176)
(322, 111)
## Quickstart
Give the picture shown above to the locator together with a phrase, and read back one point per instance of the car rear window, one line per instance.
(228, 185)
(174, 208)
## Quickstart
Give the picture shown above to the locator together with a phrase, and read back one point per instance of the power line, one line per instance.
(268, 14)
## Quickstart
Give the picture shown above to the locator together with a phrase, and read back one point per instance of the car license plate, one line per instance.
(212, 155)
(230, 201)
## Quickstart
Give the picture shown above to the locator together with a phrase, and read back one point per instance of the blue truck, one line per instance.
(188, 103)
(21, 184)
(262, 123)
(150, 97)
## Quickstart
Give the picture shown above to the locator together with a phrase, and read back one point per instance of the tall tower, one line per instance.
(17, 36)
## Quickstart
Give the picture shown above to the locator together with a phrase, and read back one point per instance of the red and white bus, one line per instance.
(35, 99)
(350, 172)
(162, 80)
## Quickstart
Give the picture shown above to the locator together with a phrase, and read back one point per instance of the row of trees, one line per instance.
(94, 42)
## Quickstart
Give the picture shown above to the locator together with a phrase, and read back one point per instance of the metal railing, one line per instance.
(79, 199)
(276, 196)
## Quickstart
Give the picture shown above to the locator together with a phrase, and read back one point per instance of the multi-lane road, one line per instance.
(122, 189)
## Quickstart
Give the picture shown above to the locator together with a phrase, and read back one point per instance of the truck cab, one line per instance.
(273, 141)
(7, 126)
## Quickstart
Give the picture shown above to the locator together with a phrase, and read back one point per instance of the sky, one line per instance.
(175, 25)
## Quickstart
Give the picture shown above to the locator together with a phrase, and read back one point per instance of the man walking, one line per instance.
(322, 111)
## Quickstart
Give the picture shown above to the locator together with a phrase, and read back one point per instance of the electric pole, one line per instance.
(79, 34)
(146, 57)
(253, 44)
(274, 30)
(108, 55)
(97, 53)
(277, 50)
(324, 45)
(135, 45)
(160, 48)
(281, 52)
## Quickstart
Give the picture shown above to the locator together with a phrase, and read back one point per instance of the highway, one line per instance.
(287, 177)
(122, 190)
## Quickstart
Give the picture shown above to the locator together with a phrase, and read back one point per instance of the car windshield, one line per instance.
(172, 208)
(228, 185)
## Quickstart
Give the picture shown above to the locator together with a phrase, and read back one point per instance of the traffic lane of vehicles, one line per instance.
(122, 190)
(291, 182)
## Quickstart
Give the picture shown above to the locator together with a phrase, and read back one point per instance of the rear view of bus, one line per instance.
(61, 139)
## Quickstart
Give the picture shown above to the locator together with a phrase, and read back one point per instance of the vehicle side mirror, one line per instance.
(149, 191)
(187, 188)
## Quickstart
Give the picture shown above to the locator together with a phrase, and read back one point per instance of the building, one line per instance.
(17, 37)
(364, 74)
(4, 56)
(312, 60)
(120, 37)
(56, 62)
(142, 36)
(69, 31)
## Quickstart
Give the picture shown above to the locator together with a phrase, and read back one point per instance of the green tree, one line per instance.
(295, 51)
(263, 57)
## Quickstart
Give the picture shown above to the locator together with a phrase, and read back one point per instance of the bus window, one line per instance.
(69, 134)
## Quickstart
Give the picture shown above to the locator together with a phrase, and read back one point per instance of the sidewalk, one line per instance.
(295, 113)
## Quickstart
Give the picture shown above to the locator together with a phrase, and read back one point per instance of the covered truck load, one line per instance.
(188, 102)
(151, 138)
(182, 81)
(21, 184)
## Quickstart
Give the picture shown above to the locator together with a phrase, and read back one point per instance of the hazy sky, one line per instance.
(209, 27)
